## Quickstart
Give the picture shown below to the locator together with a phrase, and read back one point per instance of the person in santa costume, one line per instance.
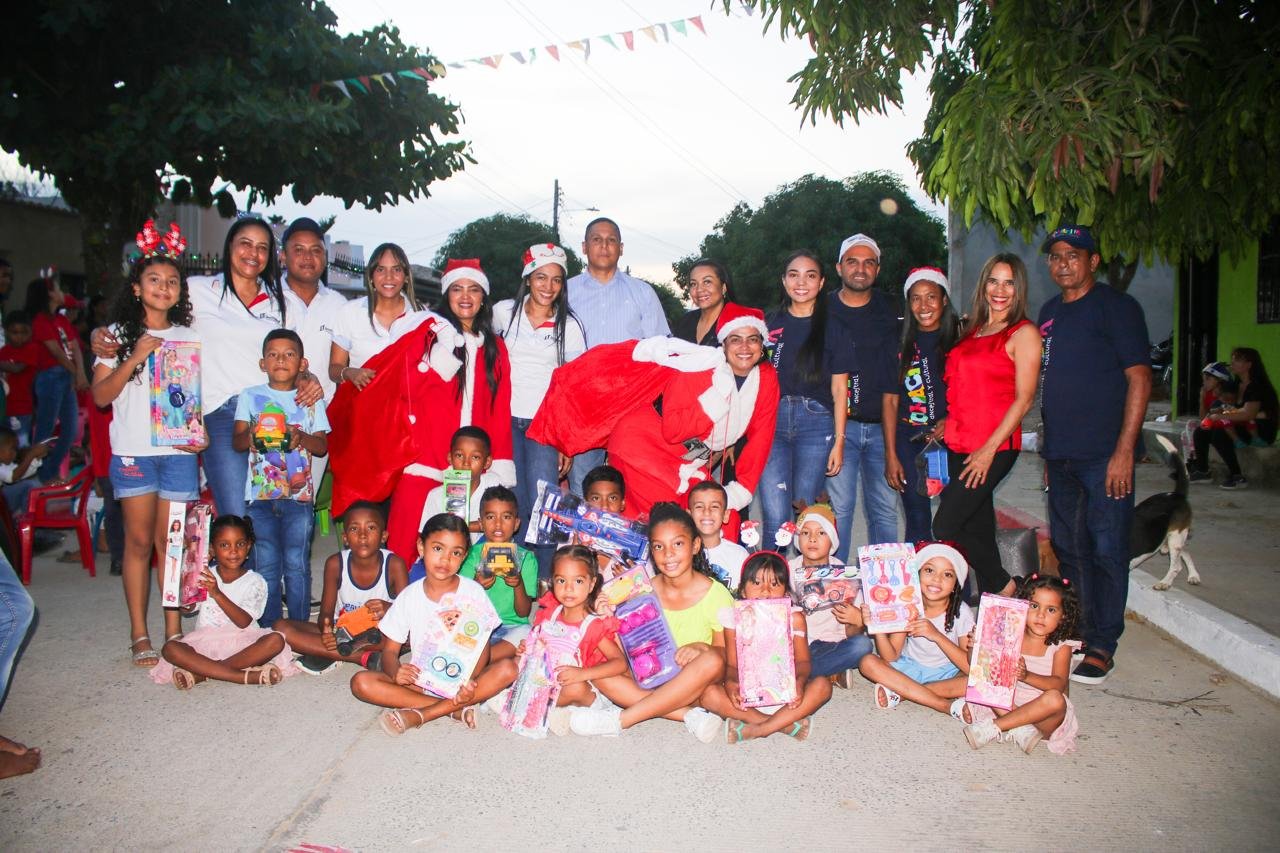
(392, 437)
(667, 410)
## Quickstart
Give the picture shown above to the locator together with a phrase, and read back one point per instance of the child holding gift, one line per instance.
(281, 437)
(767, 575)
(512, 593)
(1041, 707)
(363, 575)
(691, 604)
(469, 450)
(412, 617)
(929, 662)
(226, 644)
(603, 488)
(709, 506)
(18, 359)
(18, 469)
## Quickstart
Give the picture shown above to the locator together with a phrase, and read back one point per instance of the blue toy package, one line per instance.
(562, 518)
(931, 469)
(647, 641)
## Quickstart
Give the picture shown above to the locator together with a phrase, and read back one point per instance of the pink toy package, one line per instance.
(450, 651)
(890, 586)
(534, 692)
(196, 556)
(766, 654)
(997, 648)
(823, 587)
(171, 579)
(628, 584)
(646, 640)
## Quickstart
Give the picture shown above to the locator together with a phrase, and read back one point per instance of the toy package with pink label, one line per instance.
(176, 416)
(196, 556)
(997, 648)
(171, 579)
(823, 587)
(766, 654)
(452, 645)
(890, 586)
(533, 694)
(647, 641)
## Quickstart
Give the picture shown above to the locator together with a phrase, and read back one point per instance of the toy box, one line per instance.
(452, 647)
(997, 648)
(766, 654)
(196, 556)
(890, 586)
(171, 579)
(498, 559)
(534, 692)
(823, 587)
(356, 627)
(176, 416)
(561, 518)
(627, 584)
(646, 640)
(457, 493)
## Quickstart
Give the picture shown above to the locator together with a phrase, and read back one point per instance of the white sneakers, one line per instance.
(703, 725)
(1026, 737)
(595, 721)
(983, 732)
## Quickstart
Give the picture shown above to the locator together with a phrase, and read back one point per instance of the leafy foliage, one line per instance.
(125, 106)
(1157, 122)
(817, 214)
(500, 241)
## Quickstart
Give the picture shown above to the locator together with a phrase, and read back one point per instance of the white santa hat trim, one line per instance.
(932, 274)
(464, 269)
(823, 522)
(946, 552)
(734, 317)
(737, 495)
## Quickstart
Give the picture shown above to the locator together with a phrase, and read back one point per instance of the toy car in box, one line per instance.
(562, 518)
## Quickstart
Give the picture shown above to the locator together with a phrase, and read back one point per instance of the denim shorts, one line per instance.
(174, 476)
(924, 674)
(513, 634)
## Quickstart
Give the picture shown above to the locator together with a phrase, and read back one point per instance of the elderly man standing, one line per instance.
(1097, 378)
(871, 318)
(611, 306)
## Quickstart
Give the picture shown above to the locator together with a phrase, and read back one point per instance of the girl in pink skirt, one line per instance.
(227, 644)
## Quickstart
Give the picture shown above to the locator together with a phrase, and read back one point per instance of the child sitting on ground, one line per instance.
(227, 644)
(18, 470)
(709, 506)
(929, 662)
(1040, 705)
(511, 588)
(362, 576)
(837, 640)
(469, 450)
(422, 610)
(18, 359)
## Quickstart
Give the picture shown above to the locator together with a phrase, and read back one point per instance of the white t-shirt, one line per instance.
(726, 562)
(314, 323)
(412, 614)
(363, 340)
(926, 652)
(130, 429)
(7, 469)
(248, 592)
(434, 504)
(533, 355)
(232, 336)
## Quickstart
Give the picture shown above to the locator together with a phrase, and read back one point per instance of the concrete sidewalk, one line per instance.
(129, 764)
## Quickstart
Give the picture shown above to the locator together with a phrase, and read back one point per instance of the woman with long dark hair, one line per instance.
(709, 289)
(1257, 408)
(917, 409)
(59, 373)
(368, 325)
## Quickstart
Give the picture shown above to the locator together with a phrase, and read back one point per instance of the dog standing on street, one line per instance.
(1162, 523)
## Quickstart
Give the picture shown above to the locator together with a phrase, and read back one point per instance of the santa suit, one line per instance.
(393, 437)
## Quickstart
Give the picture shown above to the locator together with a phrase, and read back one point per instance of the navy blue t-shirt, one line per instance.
(922, 396)
(1088, 344)
(873, 329)
(787, 335)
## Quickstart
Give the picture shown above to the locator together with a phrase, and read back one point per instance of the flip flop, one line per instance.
(393, 724)
(891, 699)
(733, 731)
(146, 658)
(958, 708)
(801, 729)
(182, 679)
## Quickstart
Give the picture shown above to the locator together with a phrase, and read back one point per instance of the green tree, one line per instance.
(188, 99)
(672, 307)
(817, 214)
(1157, 122)
(500, 241)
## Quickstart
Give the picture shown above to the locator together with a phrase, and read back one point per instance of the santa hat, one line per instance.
(946, 552)
(460, 268)
(821, 515)
(932, 274)
(541, 255)
(734, 317)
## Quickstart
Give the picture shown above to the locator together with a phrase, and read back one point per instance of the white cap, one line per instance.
(858, 240)
(946, 552)
(932, 274)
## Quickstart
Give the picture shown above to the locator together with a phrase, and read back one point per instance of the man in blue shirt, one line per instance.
(1097, 378)
(611, 306)
(871, 319)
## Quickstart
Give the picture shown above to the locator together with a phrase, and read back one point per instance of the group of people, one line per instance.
(829, 392)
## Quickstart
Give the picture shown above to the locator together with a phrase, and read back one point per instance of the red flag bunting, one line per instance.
(630, 38)
(696, 20)
(554, 51)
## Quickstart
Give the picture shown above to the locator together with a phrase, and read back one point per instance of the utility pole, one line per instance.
(555, 210)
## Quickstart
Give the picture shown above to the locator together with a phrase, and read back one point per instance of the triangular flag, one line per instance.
(696, 20)
(493, 61)
(649, 32)
(533, 54)
(315, 90)
(484, 61)
(665, 35)
(451, 65)
(410, 74)
(391, 78)
(630, 38)
(437, 70)
(517, 56)
(554, 51)
(583, 45)
(352, 81)
(382, 83)
(680, 27)
(364, 78)
(342, 87)
(613, 44)
(748, 8)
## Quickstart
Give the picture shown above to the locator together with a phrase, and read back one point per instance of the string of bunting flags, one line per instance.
(364, 83)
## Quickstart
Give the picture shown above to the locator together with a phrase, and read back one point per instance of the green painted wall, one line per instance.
(1238, 311)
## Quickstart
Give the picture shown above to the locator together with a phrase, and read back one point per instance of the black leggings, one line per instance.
(1222, 440)
(967, 517)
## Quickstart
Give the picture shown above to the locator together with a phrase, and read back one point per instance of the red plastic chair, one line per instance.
(56, 507)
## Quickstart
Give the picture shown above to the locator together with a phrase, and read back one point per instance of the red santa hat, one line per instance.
(932, 274)
(734, 317)
(460, 268)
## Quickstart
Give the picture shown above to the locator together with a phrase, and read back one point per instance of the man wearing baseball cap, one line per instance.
(1097, 378)
(871, 319)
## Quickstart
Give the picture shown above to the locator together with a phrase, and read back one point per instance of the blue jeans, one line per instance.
(1090, 536)
(863, 460)
(17, 612)
(917, 509)
(226, 469)
(533, 462)
(283, 530)
(55, 403)
(797, 461)
(582, 465)
(15, 494)
(827, 658)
